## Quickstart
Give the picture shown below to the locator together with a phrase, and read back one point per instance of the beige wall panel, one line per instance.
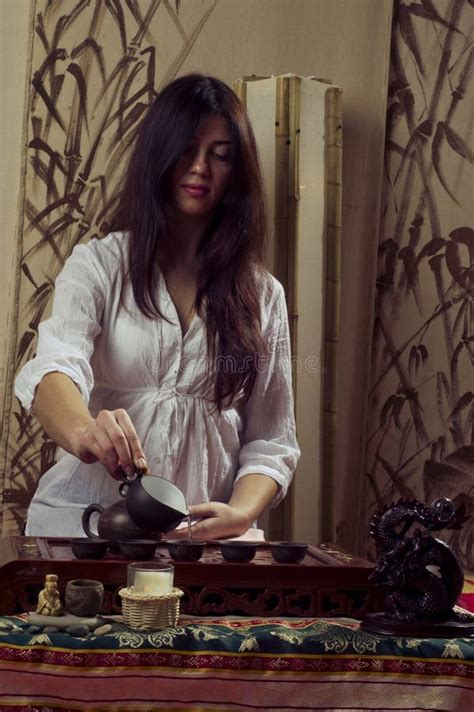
(309, 288)
(262, 97)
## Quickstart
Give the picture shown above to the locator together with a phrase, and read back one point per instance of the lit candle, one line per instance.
(156, 583)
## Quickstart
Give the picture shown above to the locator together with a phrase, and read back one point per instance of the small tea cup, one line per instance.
(138, 549)
(288, 552)
(89, 548)
(180, 550)
(238, 551)
(84, 597)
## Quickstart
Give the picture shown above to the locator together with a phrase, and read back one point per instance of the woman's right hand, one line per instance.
(111, 439)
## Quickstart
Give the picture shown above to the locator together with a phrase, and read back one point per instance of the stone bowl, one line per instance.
(181, 550)
(238, 551)
(83, 597)
(288, 552)
(138, 549)
(86, 548)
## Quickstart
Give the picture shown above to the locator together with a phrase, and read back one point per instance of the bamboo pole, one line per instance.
(333, 161)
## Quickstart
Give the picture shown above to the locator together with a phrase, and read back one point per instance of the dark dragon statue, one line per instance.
(419, 573)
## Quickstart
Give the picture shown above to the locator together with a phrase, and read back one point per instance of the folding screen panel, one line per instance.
(297, 122)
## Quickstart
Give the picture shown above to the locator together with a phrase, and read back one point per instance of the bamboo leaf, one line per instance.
(24, 344)
(430, 13)
(464, 401)
(462, 312)
(397, 409)
(463, 235)
(412, 360)
(394, 112)
(407, 256)
(405, 435)
(418, 360)
(458, 144)
(386, 410)
(90, 43)
(442, 446)
(438, 138)
(407, 32)
(392, 146)
(410, 266)
(453, 261)
(467, 343)
(421, 132)
(25, 269)
(48, 100)
(38, 144)
(423, 352)
(419, 11)
(455, 358)
(76, 72)
(115, 9)
(456, 435)
(431, 248)
(425, 128)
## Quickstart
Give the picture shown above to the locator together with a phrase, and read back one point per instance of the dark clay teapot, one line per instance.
(151, 505)
(114, 523)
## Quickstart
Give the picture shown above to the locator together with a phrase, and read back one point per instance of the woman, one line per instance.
(168, 344)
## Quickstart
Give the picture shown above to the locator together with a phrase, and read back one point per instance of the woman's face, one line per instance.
(201, 176)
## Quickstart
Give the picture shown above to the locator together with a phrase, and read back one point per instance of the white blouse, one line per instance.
(120, 359)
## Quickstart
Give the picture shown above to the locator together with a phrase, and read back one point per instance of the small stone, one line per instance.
(103, 629)
(50, 629)
(78, 631)
(34, 629)
(12, 629)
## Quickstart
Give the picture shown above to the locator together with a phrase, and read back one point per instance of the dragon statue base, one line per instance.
(420, 575)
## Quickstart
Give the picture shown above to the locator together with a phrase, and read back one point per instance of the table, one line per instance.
(329, 581)
(232, 663)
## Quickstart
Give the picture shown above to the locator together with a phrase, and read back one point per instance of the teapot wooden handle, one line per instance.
(86, 515)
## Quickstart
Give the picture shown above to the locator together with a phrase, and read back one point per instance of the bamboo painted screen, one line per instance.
(420, 435)
(94, 68)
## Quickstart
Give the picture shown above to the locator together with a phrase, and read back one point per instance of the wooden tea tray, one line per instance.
(330, 580)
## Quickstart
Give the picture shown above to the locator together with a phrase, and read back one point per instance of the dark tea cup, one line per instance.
(89, 548)
(138, 549)
(181, 550)
(238, 551)
(288, 552)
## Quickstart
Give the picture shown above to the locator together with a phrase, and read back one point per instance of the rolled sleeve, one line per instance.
(268, 442)
(66, 339)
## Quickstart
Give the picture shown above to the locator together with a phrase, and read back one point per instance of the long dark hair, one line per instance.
(231, 278)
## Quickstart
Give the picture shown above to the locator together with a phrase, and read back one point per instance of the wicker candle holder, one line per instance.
(145, 611)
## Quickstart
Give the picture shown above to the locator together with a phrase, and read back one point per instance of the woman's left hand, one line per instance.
(216, 521)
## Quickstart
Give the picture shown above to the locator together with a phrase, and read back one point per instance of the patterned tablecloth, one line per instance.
(233, 664)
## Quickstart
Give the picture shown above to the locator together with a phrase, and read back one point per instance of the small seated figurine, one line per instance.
(49, 603)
